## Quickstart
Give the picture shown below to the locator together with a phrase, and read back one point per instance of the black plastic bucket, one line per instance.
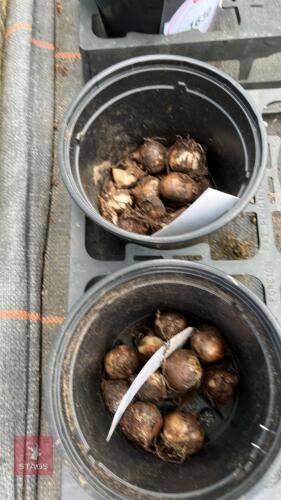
(162, 96)
(123, 16)
(247, 443)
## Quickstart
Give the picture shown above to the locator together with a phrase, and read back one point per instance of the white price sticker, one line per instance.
(192, 14)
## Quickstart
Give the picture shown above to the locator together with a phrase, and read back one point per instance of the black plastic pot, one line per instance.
(246, 445)
(123, 16)
(163, 96)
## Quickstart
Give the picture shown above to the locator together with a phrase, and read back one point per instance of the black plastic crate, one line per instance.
(243, 30)
(252, 255)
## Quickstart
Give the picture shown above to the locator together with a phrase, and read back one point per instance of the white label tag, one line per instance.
(192, 14)
(206, 209)
(149, 368)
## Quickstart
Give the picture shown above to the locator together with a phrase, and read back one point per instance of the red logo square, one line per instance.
(33, 455)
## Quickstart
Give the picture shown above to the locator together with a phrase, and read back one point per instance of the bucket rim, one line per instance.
(59, 348)
(236, 90)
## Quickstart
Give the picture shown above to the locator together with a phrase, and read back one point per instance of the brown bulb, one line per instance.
(146, 189)
(148, 345)
(107, 211)
(182, 370)
(153, 207)
(127, 174)
(154, 389)
(121, 362)
(120, 201)
(141, 423)
(179, 188)
(113, 392)
(219, 385)
(208, 344)
(152, 156)
(122, 178)
(133, 225)
(169, 324)
(188, 156)
(115, 199)
(132, 167)
(171, 216)
(182, 433)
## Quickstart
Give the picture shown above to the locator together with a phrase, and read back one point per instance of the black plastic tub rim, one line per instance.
(80, 309)
(101, 80)
(103, 108)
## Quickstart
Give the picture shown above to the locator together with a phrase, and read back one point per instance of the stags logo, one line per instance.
(33, 455)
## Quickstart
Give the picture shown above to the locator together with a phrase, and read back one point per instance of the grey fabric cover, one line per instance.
(55, 285)
(27, 105)
(33, 253)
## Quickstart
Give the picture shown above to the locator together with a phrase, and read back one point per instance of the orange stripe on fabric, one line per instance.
(42, 44)
(17, 26)
(68, 55)
(52, 320)
(31, 316)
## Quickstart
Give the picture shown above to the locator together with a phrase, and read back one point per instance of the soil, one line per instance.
(276, 220)
(235, 248)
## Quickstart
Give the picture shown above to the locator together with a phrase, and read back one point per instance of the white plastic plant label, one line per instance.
(149, 368)
(192, 14)
(211, 205)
